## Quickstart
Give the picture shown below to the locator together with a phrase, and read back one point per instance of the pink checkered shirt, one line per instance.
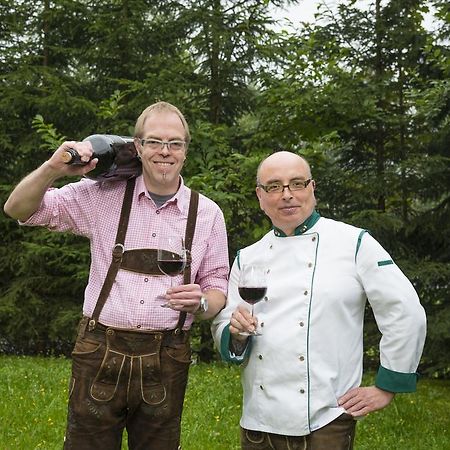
(93, 209)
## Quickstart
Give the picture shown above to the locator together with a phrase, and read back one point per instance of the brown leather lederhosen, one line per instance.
(141, 260)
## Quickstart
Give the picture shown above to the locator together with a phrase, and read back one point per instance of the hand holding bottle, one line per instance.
(117, 157)
(57, 163)
(113, 158)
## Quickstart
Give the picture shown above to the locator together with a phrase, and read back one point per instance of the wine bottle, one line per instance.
(117, 158)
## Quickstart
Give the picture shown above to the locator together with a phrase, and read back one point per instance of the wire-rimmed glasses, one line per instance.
(156, 144)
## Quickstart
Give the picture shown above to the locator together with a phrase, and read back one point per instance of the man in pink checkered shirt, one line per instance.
(130, 367)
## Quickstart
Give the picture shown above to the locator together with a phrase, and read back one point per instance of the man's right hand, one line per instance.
(57, 163)
(242, 320)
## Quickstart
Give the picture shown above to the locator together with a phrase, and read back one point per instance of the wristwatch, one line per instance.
(203, 307)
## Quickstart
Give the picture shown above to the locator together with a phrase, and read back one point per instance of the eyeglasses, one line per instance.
(156, 144)
(277, 188)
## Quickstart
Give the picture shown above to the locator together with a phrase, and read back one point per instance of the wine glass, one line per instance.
(171, 258)
(252, 288)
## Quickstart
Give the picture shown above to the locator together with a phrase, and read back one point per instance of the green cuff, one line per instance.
(392, 381)
(225, 343)
(225, 348)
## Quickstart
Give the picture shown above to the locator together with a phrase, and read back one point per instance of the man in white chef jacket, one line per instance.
(301, 377)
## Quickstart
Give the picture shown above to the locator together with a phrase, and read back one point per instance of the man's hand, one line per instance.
(185, 297)
(84, 149)
(361, 401)
(242, 320)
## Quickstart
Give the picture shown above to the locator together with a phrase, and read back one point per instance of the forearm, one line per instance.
(26, 198)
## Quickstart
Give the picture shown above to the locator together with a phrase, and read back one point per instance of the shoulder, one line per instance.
(340, 236)
(86, 184)
(108, 186)
(94, 192)
(339, 228)
(255, 247)
(205, 204)
(80, 187)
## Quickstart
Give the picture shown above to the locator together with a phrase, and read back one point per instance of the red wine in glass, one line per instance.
(171, 257)
(252, 288)
(252, 295)
(171, 267)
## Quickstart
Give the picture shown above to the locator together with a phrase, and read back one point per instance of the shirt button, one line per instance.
(139, 326)
(154, 234)
(301, 358)
(260, 356)
(261, 387)
(302, 324)
(302, 391)
(314, 238)
(142, 302)
(305, 293)
(262, 324)
(158, 211)
(146, 279)
(309, 264)
(266, 298)
(270, 246)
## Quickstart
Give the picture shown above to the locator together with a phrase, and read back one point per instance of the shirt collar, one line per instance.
(180, 199)
(302, 228)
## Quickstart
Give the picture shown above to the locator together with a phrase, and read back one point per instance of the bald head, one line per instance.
(281, 159)
(291, 206)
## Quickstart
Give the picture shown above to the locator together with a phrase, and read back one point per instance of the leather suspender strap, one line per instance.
(188, 238)
(116, 253)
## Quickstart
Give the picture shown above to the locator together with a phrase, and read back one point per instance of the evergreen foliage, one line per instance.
(363, 94)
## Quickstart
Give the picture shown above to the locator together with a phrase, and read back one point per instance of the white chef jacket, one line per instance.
(311, 349)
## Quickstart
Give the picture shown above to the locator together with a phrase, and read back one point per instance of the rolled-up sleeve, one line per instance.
(70, 208)
(214, 268)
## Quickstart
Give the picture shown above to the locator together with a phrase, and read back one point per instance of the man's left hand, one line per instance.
(361, 401)
(185, 297)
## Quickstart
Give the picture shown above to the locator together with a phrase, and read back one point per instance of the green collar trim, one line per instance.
(302, 228)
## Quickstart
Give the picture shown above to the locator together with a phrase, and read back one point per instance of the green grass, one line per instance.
(33, 393)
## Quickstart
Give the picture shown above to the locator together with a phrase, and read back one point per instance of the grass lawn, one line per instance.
(33, 393)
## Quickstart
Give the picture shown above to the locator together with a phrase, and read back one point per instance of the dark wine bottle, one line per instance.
(117, 158)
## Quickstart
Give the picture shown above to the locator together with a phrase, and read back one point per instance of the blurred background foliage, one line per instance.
(363, 93)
